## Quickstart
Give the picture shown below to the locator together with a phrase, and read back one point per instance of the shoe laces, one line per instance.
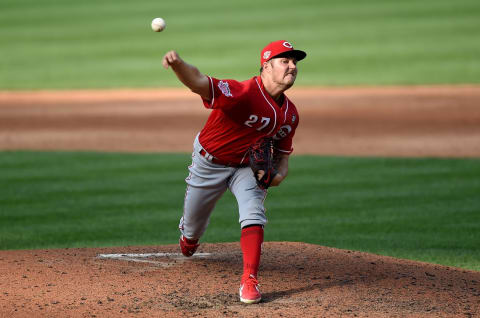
(251, 280)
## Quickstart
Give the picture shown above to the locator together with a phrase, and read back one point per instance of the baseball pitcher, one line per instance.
(244, 147)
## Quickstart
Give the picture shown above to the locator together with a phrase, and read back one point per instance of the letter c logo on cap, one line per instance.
(287, 45)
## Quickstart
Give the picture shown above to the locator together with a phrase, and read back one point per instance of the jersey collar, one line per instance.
(267, 95)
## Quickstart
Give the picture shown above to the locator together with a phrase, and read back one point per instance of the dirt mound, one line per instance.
(297, 280)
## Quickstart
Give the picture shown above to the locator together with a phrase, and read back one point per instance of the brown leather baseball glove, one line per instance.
(261, 158)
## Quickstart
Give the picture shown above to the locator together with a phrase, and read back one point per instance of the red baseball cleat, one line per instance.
(188, 247)
(249, 293)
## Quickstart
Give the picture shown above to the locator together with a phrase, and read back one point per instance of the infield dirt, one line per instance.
(297, 280)
(395, 121)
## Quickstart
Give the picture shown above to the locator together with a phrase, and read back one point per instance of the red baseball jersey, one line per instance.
(243, 112)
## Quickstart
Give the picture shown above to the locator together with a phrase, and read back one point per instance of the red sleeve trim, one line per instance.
(210, 103)
(285, 151)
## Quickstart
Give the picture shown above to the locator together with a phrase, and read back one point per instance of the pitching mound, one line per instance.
(297, 280)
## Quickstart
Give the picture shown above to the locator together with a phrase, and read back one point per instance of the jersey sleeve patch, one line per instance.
(224, 88)
(226, 93)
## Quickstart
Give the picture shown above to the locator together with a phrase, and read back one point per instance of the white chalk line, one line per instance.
(171, 258)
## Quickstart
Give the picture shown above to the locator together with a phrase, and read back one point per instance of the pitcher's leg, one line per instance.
(198, 206)
(206, 183)
(252, 218)
(250, 198)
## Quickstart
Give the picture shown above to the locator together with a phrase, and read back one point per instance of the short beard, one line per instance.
(287, 86)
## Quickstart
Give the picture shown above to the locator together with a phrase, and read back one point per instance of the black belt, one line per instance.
(220, 162)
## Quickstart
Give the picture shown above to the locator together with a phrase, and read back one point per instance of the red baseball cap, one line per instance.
(280, 48)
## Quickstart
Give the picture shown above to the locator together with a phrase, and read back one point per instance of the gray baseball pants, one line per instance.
(207, 182)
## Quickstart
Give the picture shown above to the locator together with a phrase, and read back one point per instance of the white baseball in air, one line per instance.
(158, 24)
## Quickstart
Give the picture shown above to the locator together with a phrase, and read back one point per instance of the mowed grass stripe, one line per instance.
(91, 44)
(87, 199)
(423, 209)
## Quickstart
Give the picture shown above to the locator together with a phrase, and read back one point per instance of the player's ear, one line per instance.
(266, 65)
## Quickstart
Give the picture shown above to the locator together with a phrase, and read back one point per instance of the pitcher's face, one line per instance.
(283, 70)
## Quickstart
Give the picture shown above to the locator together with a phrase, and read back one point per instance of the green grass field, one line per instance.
(423, 209)
(62, 44)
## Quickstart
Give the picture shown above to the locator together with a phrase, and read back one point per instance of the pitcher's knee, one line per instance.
(257, 218)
